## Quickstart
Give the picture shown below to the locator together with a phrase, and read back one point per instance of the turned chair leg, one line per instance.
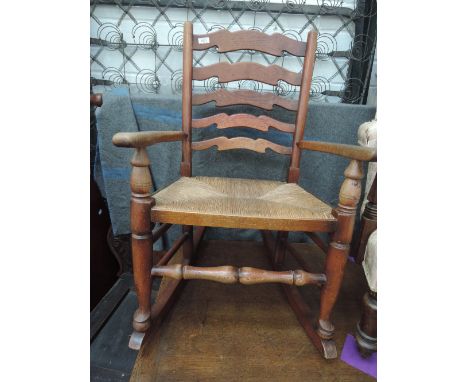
(187, 248)
(368, 223)
(280, 247)
(334, 269)
(366, 331)
(338, 249)
(142, 243)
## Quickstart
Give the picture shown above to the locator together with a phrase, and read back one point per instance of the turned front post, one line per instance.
(142, 239)
(366, 331)
(338, 250)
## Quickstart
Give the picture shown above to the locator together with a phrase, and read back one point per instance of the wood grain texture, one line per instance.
(223, 97)
(347, 151)
(226, 41)
(240, 203)
(303, 105)
(146, 138)
(233, 332)
(227, 72)
(223, 143)
(142, 238)
(327, 348)
(186, 165)
(168, 292)
(224, 121)
(338, 250)
(245, 275)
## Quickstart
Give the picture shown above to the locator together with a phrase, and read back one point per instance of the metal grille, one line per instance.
(139, 43)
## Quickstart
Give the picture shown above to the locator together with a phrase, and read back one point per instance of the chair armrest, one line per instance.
(348, 151)
(146, 138)
(96, 100)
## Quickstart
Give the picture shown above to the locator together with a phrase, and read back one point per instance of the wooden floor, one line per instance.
(219, 332)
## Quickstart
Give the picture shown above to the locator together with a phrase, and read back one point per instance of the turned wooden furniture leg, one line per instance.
(188, 244)
(368, 223)
(366, 332)
(300, 307)
(169, 290)
(338, 249)
(142, 242)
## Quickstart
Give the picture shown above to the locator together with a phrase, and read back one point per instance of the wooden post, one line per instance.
(307, 71)
(187, 247)
(366, 331)
(368, 223)
(280, 247)
(186, 165)
(338, 249)
(142, 241)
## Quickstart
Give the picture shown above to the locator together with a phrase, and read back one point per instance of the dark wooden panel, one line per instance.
(110, 349)
(103, 265)
(223, 97)
(262, 122)
(259, 145)
(107, 305)
(227, 274)
(226, 41)
(227, 72)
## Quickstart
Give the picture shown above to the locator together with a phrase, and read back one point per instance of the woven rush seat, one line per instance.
(245, 203)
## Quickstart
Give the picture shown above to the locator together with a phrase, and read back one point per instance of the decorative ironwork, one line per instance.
(148, 81)
(145, 36)
(139, 42)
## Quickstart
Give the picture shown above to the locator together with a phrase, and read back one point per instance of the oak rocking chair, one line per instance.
(241, 203)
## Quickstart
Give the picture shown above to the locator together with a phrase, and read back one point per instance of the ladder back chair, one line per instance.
(241, 203)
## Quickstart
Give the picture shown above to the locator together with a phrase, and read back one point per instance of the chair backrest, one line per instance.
(226, 41)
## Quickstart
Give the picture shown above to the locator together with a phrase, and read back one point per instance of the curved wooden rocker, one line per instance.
(241, 203)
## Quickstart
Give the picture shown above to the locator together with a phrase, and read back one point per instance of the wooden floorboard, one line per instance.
(106, 307)
(111, 358)
(101, 374)
(218, 332)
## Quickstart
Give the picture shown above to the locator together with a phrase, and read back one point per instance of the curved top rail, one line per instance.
(227, 41)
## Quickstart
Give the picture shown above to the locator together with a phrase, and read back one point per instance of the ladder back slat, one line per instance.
(227, 72)
(259, 145)
(223, 97)
(262, 122)
(226, 41)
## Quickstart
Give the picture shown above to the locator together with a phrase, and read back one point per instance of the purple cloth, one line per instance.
(352, 357)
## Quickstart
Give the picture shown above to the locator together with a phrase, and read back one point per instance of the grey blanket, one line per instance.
(321, 174)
